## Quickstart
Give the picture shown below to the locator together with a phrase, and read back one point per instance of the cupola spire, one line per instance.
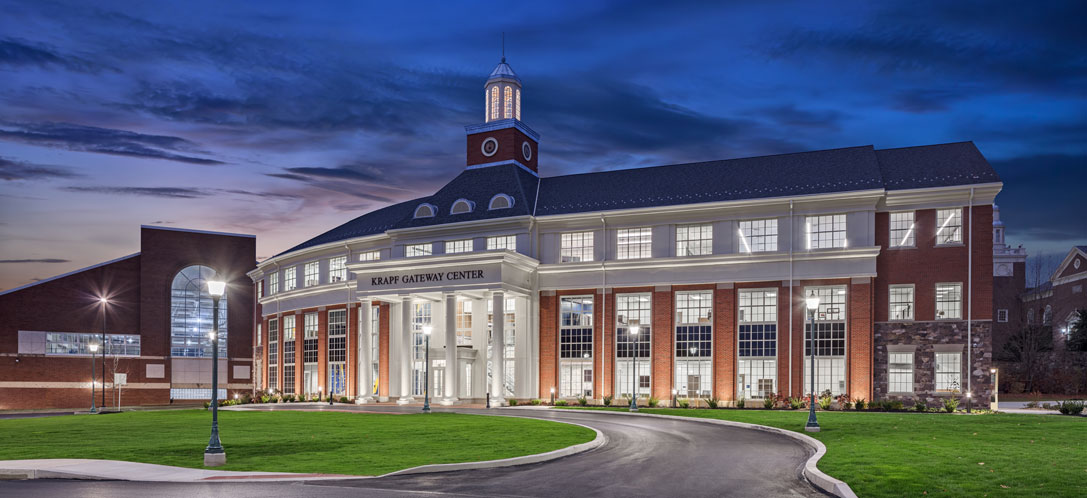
(502, 92)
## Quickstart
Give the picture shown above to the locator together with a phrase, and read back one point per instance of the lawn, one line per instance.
(912, 454)
(287, 441)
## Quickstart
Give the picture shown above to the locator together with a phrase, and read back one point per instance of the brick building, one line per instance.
(151, 311)
(689, 277)
(1055, 302)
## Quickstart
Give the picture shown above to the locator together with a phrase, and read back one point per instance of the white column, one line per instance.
(479, 342)
(407, 356)
(498, 370)
(365, 368)
(521, 382)
(452, 371)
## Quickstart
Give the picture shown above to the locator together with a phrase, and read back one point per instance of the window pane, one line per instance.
(950, 226)
(758, 235)
(694, 240)
(902, 229)
(634, 243)
(577, 246)
(191, 314)
(826, 231)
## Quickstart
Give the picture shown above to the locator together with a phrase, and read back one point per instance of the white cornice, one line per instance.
(450, 227)
(444, 260)
(714, 260)
(984, 193)
(307, 291)
(312, 249)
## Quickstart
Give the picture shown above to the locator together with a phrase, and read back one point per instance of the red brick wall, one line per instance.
(509, 148)
(859, 363)
(663, 345)
(724, 344)
(607, 327)
(549, 343)
(383, 350)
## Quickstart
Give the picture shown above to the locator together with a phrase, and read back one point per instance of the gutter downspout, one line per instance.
(792, 238)
(603, 303)
(970, 296)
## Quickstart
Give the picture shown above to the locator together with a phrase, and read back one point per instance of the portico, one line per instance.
(459, 296)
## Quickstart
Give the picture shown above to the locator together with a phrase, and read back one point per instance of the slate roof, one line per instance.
(803, 173)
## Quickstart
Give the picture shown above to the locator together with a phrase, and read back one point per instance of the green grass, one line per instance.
(909, 454)
(287, 441)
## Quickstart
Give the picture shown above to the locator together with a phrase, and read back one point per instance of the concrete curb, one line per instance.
(90, 469)
(812, 473)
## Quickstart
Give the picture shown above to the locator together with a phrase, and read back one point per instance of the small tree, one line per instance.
(1077, 331)
(1026, 347)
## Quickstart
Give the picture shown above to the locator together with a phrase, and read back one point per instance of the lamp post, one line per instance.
(214, 454)
(969, 401)
(995, 404)
(552, 396)
(674, 397)
(427, 329)
(812, 303)
(93, 347)
(103, 302)
(633, 369)
(693, 350)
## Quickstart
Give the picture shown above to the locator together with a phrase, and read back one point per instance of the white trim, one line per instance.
(433, 211)
(509, 199)
(711, 260)
(189, 230)
(501, 124)
(503, 163)
(73, 272)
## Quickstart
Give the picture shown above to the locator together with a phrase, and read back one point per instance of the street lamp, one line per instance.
(103, 301)
(812, 303)
(633, 369)
(674, 397)
(214, 454)
(995, 405)
(427, 329)
(93, 347)
(693, 350)
(552, 396)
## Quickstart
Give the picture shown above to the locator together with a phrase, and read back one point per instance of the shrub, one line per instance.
(769, 401)
(1049, 406)
(561, 402)
(536, 402)
(607, 400)
(861, 404)
(653, 402)
(713, 402)
(264, 398)
(1032, 404)
(207, 404)
(896, 405)
(684, 403)
(843, 401)
(796, 403)
(824, 403)
(345, 399)
(583, 401)
(950, 404)
(513, 402)
(920, 406)
(1070, 407)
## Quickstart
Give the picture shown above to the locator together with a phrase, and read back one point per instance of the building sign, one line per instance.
(425, 278)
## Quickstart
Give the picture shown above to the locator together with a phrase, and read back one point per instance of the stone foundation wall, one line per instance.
(928, 337)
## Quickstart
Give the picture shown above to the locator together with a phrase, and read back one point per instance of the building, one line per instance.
(151, 311)
(1055, 303)
(1009, 285)
(689, 277)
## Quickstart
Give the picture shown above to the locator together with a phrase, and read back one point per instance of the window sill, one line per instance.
(902, 320)
(892, 393)
(895, 248)
(952, 244)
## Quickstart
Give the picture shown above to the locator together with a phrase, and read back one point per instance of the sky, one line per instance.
(285, 119)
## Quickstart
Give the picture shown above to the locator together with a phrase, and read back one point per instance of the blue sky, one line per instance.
(284, 119)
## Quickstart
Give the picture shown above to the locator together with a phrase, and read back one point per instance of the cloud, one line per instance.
(167, 192)
(12, 169)
(342, 172)
(104, 141)
(19, 53)
(43, 260)
(1033, 208)
(921, 100)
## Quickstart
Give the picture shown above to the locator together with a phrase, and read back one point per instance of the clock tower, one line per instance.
(502, 138)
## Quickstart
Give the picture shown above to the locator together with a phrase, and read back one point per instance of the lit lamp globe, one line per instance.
(216, 288)
(93, 347)
(812, 302)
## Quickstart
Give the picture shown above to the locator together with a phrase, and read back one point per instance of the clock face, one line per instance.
(489, 147)
(526, 150)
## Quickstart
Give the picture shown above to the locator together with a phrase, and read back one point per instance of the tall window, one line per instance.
(901, 301)
(900, 372)
(464, 322)
(337, 269)
(950, 226)
(827, 231)
(694, 240)
(273, 354)
(509, 334)
(290, 278)
(576, 246)
(72, 343)
(494, 103)
(507, 110)
(949, 301)
(500, 242)
(576, 346)
(902, 229)
(337, 352)
(309, 353)
(422, 318)
(458, 246)
(260, 289)
(757, 342)
(415, 250)
(634, 243)
(758, 235)
(289, 344)
(375, 349)
(312, 274)
(191, 314)
(370, 256)
(829, 340)
(273, 283)
(694, 339)
(518, 104)
(948, 371)
(632, 309)
(1047, 315)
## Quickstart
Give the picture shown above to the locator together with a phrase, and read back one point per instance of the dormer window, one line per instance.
(425, 211)
(501, 201)
(461, 206)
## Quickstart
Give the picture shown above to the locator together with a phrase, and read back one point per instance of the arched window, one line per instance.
(486, 106)
(1030, 316)
(518, 108)
(191, 314)
(1047, 316)
(425, 211)
(494, 102)
(462, 206)
(501, 201)
(507, 111)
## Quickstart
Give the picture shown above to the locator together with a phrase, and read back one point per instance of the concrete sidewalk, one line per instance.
(78, 468)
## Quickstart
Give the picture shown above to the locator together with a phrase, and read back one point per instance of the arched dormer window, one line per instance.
(507, 107)
(501, 201)
(461, 206)
(425, 210)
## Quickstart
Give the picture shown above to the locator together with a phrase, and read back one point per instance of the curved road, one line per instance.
(643, 456)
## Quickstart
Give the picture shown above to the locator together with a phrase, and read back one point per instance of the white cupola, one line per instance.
(502, 94)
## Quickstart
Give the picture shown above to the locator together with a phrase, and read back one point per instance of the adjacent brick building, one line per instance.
(152, 313)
